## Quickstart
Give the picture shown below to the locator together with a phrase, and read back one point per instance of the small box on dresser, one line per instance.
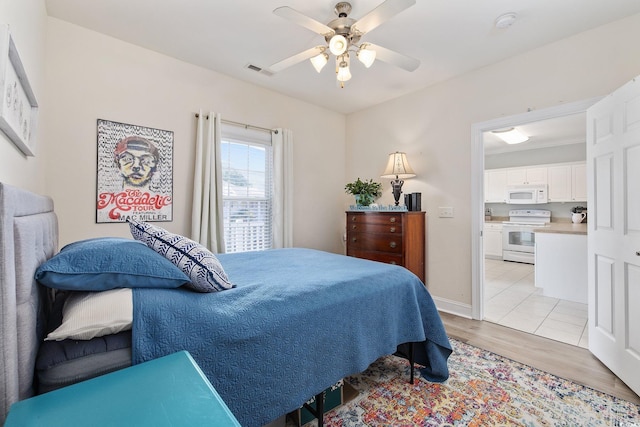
(389, 236)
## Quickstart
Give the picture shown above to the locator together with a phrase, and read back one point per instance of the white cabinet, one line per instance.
(526, 176)
(579, 182)
(492, 240)
(567, 182)
(495, 186)
(559, 183)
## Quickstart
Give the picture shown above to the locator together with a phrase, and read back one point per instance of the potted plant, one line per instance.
(365, 192)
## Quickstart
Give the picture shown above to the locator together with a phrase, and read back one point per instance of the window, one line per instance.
(247, 189)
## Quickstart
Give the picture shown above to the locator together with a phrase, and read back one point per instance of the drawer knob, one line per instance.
(353, 227)
(392, 244)
(353, 218)
(354, 239)
(393, 263)
(392, 229)
(392, 219)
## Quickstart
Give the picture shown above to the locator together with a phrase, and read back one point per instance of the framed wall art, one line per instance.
(135, 173)
(19, 109)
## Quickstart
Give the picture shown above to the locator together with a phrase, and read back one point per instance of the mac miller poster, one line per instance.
(135, 173)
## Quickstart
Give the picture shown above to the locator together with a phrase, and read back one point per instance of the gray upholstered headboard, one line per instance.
(28, 237)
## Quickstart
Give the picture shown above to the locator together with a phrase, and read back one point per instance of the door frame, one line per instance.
(477, 185)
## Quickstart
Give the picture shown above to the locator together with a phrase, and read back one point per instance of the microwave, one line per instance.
(527, 194)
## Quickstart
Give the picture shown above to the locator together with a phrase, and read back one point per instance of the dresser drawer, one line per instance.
(375, 242)
(388, 258)
(381, 218)
(368, 227)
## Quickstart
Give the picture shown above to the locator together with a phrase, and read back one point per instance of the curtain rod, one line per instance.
(244, 125)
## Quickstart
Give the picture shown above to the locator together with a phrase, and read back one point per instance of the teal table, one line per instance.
(169, 391)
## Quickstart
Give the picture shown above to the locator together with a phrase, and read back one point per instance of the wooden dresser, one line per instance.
(393, 237)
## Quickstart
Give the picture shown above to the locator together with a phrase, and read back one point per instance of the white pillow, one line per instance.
(86, 315)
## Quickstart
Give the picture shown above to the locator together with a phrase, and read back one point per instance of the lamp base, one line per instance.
(396, 185)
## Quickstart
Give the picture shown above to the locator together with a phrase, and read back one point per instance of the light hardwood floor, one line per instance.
(563, 360)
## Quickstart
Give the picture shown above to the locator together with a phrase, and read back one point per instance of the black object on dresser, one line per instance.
(391, 237)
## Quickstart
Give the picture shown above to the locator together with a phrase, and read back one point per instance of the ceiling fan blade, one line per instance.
(394, 58)
(380, 14)
(303, 20)
(293, 60)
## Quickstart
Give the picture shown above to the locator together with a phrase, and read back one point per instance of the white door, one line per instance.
(613, 170)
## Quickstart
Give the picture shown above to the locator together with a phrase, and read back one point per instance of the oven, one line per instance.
(518, 242)
(518, 238)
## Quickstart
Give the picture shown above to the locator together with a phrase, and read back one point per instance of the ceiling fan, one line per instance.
(343, 36)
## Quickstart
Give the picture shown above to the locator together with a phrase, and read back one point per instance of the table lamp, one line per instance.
(398, 169)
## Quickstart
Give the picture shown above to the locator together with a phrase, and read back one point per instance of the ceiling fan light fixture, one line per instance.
(319, 61)
(342, 36)
(344, 73)
(338, 45)
(511, 135)
(366, 56)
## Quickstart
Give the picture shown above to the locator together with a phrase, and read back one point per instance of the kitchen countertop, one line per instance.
(560, 227)
(497, 219)
(563, 228)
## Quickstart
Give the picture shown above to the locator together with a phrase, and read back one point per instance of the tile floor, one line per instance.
(512, 300)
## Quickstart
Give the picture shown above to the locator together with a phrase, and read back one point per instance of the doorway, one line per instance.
(479, 269)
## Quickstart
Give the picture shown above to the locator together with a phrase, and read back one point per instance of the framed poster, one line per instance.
(135, 173)
(18, 106)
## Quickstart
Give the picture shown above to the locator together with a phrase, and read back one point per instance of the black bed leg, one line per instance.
(318, 411)
(411, 361)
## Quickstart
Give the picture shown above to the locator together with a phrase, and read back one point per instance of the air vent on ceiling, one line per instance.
(259, 70)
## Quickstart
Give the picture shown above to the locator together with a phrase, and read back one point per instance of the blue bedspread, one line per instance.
(298, 321)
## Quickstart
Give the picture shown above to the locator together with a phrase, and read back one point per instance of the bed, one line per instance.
(293, 323)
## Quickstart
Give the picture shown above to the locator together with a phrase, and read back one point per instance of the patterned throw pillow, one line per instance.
(196, 261)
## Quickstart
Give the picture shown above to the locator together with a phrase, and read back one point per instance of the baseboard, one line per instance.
(453, 307)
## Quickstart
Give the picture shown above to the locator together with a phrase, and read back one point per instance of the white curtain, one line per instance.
(282, 141)
(207, 225)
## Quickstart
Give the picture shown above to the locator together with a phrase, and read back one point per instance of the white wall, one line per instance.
(27, 24)
(434, 127)
(541, 156)
(90, 76)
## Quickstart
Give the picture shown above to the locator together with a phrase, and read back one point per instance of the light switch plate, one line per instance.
(445, 212)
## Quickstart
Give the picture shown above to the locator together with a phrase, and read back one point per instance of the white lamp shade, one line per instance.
(511, 136)
(344, 73)
(398, 165)
(338, 45)
(319, 61)
(366, 56)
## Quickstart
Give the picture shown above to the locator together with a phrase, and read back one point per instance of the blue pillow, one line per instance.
(200, 264)
(107, 263)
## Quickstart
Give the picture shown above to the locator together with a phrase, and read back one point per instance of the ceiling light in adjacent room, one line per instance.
(510, 136)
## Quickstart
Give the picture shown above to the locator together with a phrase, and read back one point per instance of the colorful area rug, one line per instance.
(483, 389)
